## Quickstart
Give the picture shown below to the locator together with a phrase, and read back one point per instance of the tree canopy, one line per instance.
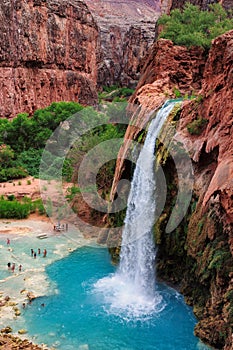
(194, 27)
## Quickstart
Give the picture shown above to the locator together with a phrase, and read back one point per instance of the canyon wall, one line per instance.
(166, 68)
(127, 29)
(47, 54)
(197, 255)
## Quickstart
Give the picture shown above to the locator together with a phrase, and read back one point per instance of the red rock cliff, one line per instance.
(127, 29)
(212, 156)
(47, 54)
(198, 254)
(166, 68)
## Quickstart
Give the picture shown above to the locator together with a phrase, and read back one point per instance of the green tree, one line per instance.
(6, 156)
(194, 27)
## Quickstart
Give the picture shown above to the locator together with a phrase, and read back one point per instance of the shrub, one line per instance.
(115, 93)
(11, 197)
(194, 27)
(6, 156)
(30, 160)
(13, 210)
(12, 173)
(197, 126)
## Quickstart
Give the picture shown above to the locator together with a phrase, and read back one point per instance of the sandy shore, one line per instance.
(17, 287)
(25, 226)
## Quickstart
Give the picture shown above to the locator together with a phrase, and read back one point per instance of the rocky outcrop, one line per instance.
(168, 70)
(47, 54)
(197, 255)
(215, 106)
(127, 29)
(9, 342)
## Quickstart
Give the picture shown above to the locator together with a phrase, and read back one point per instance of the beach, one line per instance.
(28, 280)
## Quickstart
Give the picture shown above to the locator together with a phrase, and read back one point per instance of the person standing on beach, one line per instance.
(20, 268)
(13, 267)
(9, 265)
(38, 251)
(8, 242)
(32, 252)
(45, 253)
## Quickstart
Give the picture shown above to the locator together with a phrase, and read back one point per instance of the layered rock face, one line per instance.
(210, 229)
(197, 255)
(167, 69)
(47, 53)
(127, 28)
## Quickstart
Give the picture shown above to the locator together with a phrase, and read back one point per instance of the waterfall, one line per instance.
(132, 288)
(138, 250)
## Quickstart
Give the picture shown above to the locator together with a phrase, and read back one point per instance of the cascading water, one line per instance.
(132, 289)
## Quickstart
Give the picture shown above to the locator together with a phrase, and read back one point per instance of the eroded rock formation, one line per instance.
(47, 53)
(197, 255)
(127, 29)
(8, 342)
(167, 69)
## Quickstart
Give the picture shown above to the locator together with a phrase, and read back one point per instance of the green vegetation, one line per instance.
(13, 209)
(97, 137)
(115, 94)
(23, 139)
(194, 27)
(21, 158)
(24, 149)
(197, 126)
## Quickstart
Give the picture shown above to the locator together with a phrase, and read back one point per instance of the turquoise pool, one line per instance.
(80, 316)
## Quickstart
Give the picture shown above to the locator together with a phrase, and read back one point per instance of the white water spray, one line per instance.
(131, 289)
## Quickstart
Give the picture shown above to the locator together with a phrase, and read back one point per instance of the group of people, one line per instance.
(60, 227)
(34, 254)
(11, 267)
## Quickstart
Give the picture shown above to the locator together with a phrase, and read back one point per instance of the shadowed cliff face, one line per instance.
(216, 106)
(127, 29)
(47, 54)
(197, 255)
(210, 230)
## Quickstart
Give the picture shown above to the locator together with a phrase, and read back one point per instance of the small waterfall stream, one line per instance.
(132, 287)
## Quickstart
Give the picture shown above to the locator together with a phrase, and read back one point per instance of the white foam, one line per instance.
(124, 299)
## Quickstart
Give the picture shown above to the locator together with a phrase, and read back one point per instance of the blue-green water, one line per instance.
(80, 316)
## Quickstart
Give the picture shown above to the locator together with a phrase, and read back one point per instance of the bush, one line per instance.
(12, 173)
(115, 94)
(193, 27)
(13, 210)
(30, 160)
(197, 126)
(6, 156)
